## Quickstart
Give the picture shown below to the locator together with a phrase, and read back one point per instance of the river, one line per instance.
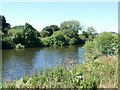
(16, 63)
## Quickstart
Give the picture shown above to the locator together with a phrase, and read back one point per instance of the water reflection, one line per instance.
(16, 63)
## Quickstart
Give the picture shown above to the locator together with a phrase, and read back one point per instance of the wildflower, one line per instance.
(80, 77)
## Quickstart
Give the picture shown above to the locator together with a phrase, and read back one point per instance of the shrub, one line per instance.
(17, 35)
(90, 51)
(58, 38)
(44, 34)
(30, 35)
(7, 43)
(46, 41)
(106, 43)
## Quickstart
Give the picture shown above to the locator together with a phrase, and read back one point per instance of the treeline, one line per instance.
(27, 36)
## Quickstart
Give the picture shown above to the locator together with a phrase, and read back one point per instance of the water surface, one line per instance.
(16, 63)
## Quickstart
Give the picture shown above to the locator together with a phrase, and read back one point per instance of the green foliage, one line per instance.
(44, 34)
(70, 25)
(50, 35)
(7, 42)
(30, 35)
(107, 43)
(91, 52)
(70, 33)
(59, 39)
(3, 25)
(91, 30)
(62, 38)
(88, 35)
(46, 41)
(84, 36)
(17, 34)
(55, 28)
(19, 46)
(50, 29)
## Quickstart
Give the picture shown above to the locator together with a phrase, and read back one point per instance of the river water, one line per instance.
(16, 63)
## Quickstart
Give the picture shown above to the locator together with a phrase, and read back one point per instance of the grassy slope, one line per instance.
(101, 73)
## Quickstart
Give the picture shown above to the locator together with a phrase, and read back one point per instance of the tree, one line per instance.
(50, 29)
(91, 30)
(55, 28)
(17, 34)
(7, 43)
(88, 35)
(44, 34)
(71, 25)
(30, 35)
(91, 33)
(3, 25)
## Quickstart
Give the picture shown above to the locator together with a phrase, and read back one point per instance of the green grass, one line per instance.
(101, 73)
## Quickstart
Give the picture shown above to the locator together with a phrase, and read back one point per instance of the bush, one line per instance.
(58, 38)
(90, 51)
(46, 41)
(7, 43)
(44, 34)
(30, 36)
(107, 43)
(17, 35)
(19, 46)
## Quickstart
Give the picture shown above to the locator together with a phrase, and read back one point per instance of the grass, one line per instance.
(101, 73)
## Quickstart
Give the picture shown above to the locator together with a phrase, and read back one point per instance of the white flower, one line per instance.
(80, 77)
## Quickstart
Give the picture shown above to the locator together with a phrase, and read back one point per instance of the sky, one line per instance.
(103, 16)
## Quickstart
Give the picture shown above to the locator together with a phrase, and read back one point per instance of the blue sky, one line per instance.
(103, 16)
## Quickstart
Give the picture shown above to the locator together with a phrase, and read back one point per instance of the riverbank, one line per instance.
(100, 73)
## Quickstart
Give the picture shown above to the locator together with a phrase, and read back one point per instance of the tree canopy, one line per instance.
(71, 25)
(48, 30)
(4, 26)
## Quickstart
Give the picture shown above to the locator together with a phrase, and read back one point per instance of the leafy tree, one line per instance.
(88, 35)
(3, 25)
(71, 25)
(30, 35)
(47, 41)
(91, 33)
(7, 43)
(54, 28)
(72, 37)
(44, 34)
(84, 36)
(69, 33)
(17, 34)
(58, 38)
(91, 30)
(50, 29)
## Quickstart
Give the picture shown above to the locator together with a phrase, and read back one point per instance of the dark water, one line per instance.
(16, 63)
